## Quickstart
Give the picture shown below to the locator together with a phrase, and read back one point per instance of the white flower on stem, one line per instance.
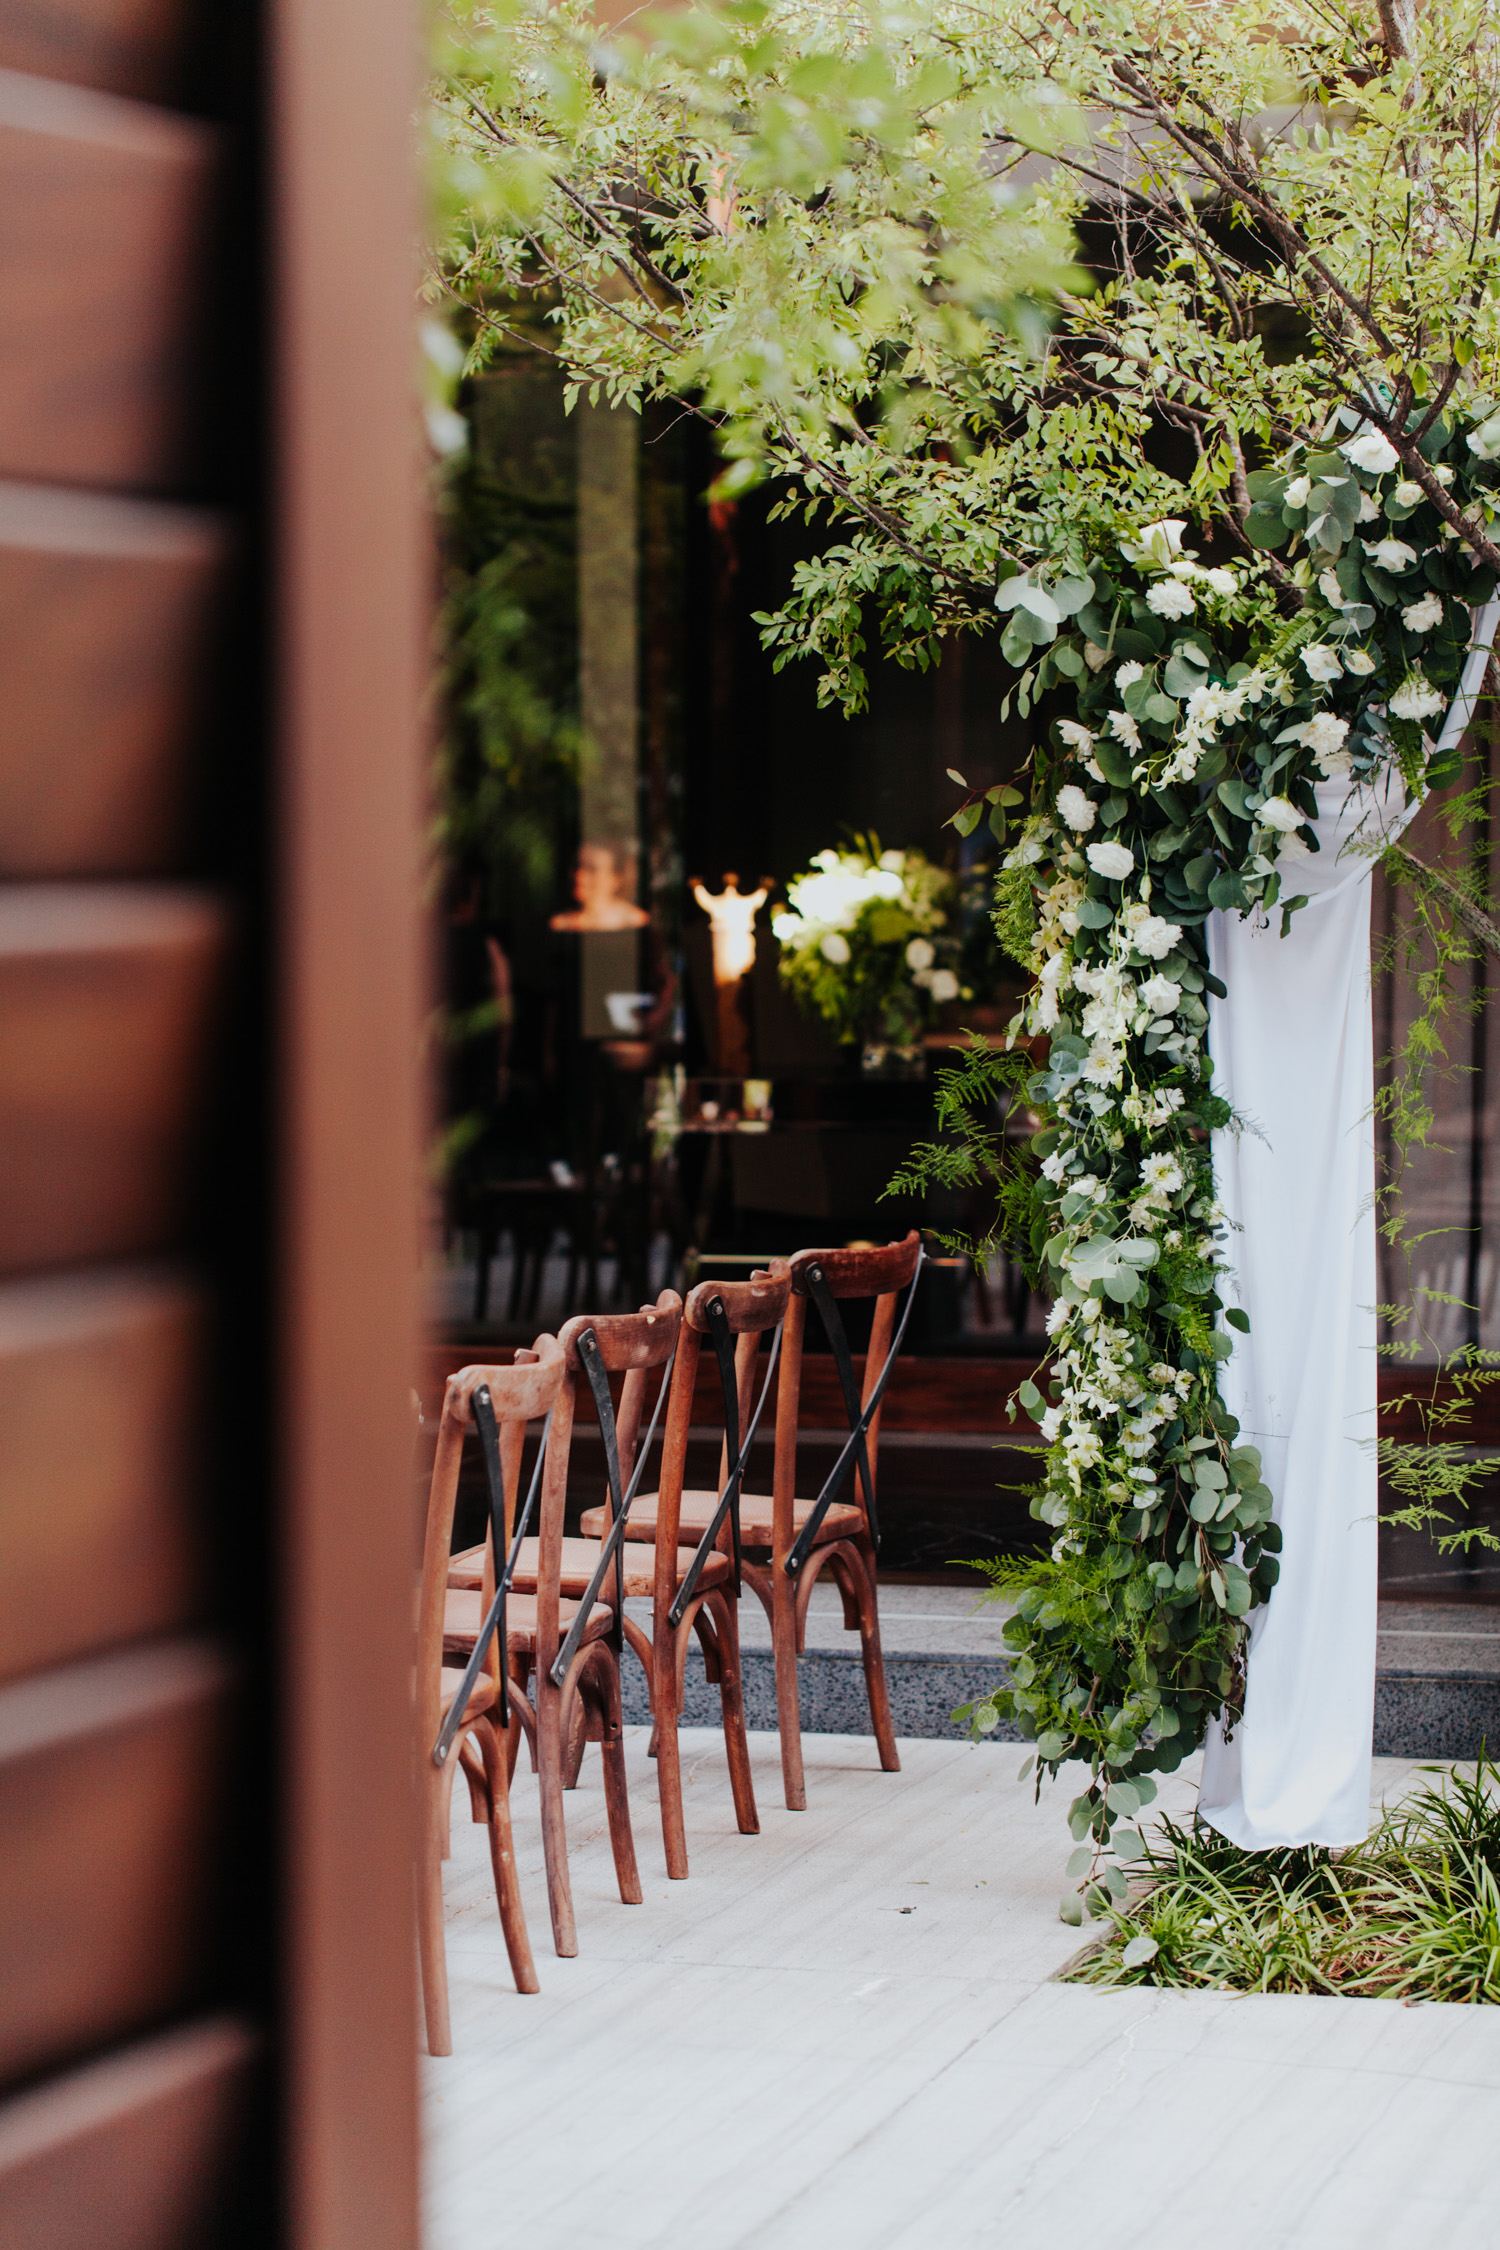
(1297, 492)
(1160, 543)
(919, 954)
(1124, 729)
(1222, 581)
(1293, 845)
(1417, 698)
(1076, 809)
(1113, 861)
(944, 985)
(835, 948)
(1075, 737)
(1442, 473)
(1104, 1065)
(1160, 995)
(1369, 512)
(1485, 441)
(1128, 673)
(1407, 494)
(1170, 598)
(1324, 733)
(1149, 933)
(1393, 555)
(1161, 1176)
(1320, 661)
(1371, 452)
(1280, 813)
(1055, 1167)
(1359, 661)
(1421, 616)
(1330, 589)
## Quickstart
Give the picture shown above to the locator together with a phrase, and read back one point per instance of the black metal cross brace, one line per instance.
(598, 1381)
(739, 1455)
(860, 1417)
(482, 1407)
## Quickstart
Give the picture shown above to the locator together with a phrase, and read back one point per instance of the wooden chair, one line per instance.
(510, 1396)
(566, 1639)
(793, 1541)
(695, 1589)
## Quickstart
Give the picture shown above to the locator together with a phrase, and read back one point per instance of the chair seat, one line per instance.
(841, 1522)
(579, 1560)
(463, 1614)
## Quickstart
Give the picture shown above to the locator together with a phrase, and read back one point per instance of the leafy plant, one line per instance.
(1414, 1912)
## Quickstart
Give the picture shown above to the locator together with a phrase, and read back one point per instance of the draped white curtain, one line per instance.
(1292, 1049)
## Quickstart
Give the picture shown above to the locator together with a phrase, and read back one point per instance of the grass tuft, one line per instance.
(1412, 1913)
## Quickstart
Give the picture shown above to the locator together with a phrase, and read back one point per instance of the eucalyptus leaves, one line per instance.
(1205, 720)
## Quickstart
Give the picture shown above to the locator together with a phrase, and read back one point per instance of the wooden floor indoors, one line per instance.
(841, 2035)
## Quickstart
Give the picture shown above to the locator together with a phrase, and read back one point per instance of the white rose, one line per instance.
(944, 985)
(1160, 995)
(1320, 661)
(1279, 813)
(1129, 673)
(1114, 861)
(919, 954)
(1485, 441)
(1076, 809)
(1222, 581)
(1443, 474)
(835, 949)
(1075, 737)
(1297, 492)
(1420, 617)
(1407, 493)
(1371, 452)
(1417, 698)
(1359, 661)
(1170, 598)
(1336, 766)
(1330, 589)
(1393, 555)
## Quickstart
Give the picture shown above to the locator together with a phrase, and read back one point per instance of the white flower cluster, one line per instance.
(828, 901)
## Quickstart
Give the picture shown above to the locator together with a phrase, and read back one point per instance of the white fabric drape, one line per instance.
(1292, 1049)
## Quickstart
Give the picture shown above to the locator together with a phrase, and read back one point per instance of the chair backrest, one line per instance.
(632, 1343)
(519, 1394)
(882, 1272)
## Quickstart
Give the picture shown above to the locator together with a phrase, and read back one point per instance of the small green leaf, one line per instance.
(1139, 1951)
(1238, 1318)
(1070, 1909)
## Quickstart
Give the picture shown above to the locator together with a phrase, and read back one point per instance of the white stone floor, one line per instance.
(841, 2035)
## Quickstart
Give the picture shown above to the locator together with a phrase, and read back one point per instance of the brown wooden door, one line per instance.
(211, 596)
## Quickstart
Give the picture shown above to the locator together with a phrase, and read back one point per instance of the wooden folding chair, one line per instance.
(695, 1589)
(788, 1542)
(565, 1611)
(455, 1708)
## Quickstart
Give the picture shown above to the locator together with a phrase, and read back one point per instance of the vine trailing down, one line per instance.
(1204, 721)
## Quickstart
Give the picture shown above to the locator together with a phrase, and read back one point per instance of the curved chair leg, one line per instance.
(554, 1829)
(475, 1775)
(503, 1862)
(874, 1662)
(667, 1705)
(431, 1947)
(788, 1710)
(577, 1735)
(732, 1705)
(603, 1675)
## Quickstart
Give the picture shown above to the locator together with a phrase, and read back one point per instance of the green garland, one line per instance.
(1205, 714)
